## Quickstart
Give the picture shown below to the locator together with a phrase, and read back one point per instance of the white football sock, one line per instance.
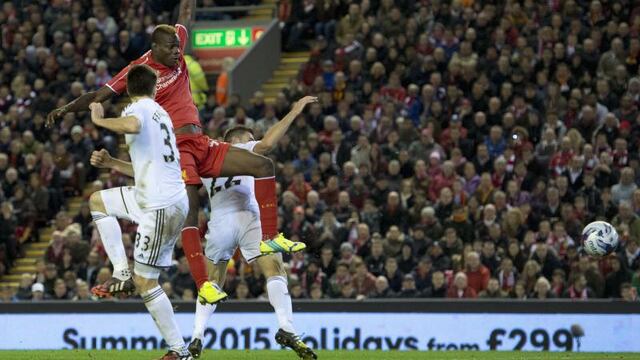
(161, 311)
(111, 236)
(279, 298)
(203, 314)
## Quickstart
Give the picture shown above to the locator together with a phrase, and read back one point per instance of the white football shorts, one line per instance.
(158, 230)
(239, 229)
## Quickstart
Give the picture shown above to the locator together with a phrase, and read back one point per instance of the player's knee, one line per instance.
(143, 284)
(218, 271)
(265, 168)
(194, 205)
(272, 266)
(96, 203)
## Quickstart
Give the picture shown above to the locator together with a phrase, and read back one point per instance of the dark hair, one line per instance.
(162, 30)
(236, 131)
(141, 80)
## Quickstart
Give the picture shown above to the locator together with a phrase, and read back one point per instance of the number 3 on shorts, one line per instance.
(145, 242)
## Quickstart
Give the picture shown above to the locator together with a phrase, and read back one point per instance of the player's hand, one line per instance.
(101, 159)
(55, 115)
(97, 111)
(300, 104)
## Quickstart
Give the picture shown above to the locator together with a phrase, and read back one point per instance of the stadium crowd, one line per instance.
(457, 151)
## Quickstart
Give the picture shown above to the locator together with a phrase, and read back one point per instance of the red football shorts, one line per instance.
(200, 156)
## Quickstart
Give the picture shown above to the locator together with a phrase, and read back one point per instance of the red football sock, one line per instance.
(193, 251)
(266, 195)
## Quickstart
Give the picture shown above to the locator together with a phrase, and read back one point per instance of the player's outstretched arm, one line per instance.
(121, 125)
(103, 160)
(185, 13)
(79, 104)
(277, 131)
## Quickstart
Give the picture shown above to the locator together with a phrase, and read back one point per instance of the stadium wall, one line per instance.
(603, 326)
(257, 64)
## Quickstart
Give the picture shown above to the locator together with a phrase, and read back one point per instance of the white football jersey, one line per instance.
(154, 156)
(232, 194)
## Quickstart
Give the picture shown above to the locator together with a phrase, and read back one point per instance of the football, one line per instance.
(599, 238)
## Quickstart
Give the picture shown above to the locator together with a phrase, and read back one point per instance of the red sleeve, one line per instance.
(118, 83)
(183, 36)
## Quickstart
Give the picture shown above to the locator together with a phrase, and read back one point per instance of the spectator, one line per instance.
(83, 293)
(56, 248)
(408, 289)
(590, 270)
(327, 261)
(493, 290)
(376, 261)
(363, 280)
(393, 242)
(393, 274)
(460, 289)
(242, 291)
(37, 292)
(625, 188)
(476, 275)
(50, 277)
(546, 259)
(406, 261)
(519, 292)
(629, 293)
(438, 287)
(542, 290)
(530, 275)
(382, 289)
(350, 23)
(631, 256)
(60, 291)
(441, 261)
(393, 214)
(626, 217)
(616, 277)
(24, 288)
(579, 289)
(340, 278)
(313, 275)
(316, 292)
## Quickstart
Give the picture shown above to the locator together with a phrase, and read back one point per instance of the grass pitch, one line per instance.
(328, 355)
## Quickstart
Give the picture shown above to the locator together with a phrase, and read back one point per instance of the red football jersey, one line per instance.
(173, 91)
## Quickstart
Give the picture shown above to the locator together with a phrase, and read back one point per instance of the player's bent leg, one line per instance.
(242, 162)
(272, 265)
(161, 310)
(208, 292)
(278, 293)
(111, 236)
(217, 274)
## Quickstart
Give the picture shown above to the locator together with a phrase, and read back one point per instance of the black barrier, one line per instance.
(352, 306)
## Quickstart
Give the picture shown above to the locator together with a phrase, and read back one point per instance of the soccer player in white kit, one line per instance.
(235, 223)
(157, 203)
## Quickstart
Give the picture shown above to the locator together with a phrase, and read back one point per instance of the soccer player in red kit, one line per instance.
(199, 155)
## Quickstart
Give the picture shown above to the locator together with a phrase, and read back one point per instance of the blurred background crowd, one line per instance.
(458, 149)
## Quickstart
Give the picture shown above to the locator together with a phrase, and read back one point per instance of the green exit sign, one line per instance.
(222, 38)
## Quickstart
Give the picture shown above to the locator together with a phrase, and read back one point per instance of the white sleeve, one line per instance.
(247, 146)
(136, 111)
